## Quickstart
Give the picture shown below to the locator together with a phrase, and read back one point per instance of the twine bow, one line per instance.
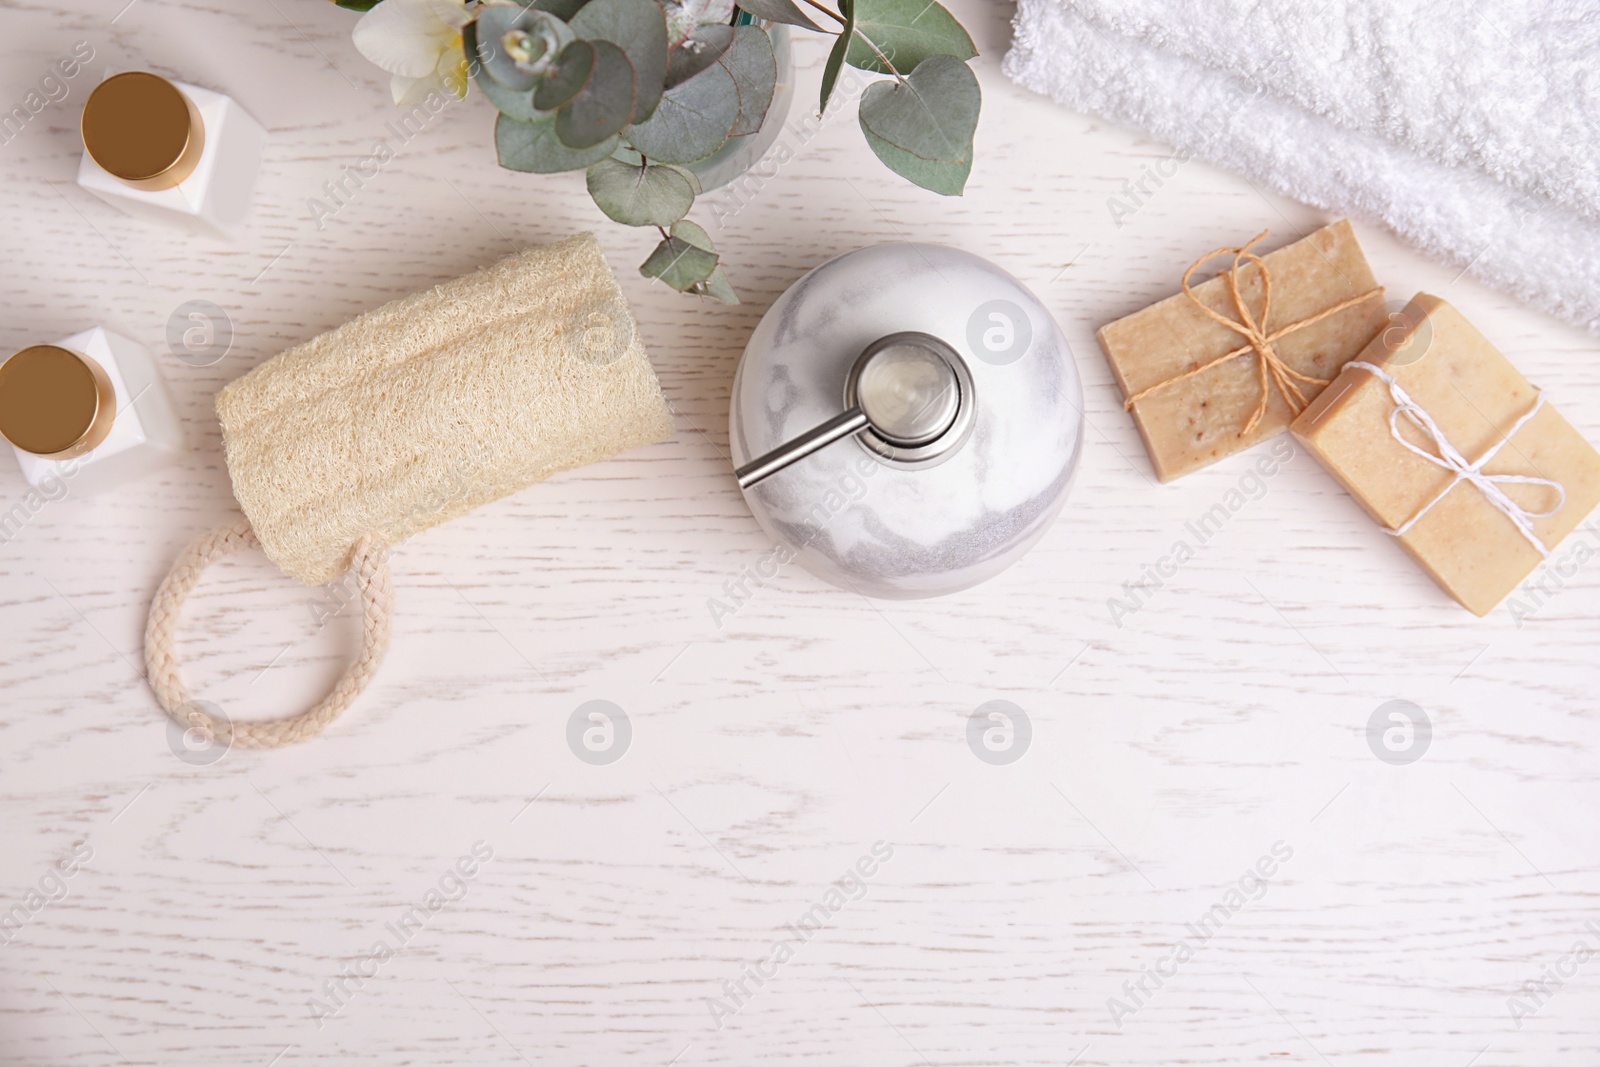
(1451, 459)
(1273, 371)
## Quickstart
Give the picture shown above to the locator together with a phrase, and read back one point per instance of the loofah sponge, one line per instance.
(434, 404)
(412, 414)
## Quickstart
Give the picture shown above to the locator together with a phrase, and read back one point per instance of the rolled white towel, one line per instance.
(1481, 149)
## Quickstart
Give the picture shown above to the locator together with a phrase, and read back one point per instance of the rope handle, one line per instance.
(369, 562)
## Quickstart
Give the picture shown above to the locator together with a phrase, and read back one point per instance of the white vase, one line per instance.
(739, 154)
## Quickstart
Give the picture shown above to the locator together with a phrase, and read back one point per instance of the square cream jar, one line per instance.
(89, 412)
(171, 152)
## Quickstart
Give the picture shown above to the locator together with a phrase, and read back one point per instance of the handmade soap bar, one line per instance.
(1192, 401)
(1448, 446)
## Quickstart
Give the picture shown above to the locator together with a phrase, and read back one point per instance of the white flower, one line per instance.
(419, 43)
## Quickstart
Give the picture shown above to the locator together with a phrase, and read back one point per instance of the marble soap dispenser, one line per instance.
(170, 151)
(89, 412)
(906, 421)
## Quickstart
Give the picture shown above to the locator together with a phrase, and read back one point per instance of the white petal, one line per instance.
(408, 91)
(452, 13)
(405, 37)
(452, 71)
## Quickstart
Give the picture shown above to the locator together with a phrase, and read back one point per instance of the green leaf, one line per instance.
(499, 26)
(534, 147)
(717, 288)
(830, 69)
(517, 105)
(605, 104)
(922, 128)
(561, 9)
(698, 51)
(779, 11)
(692, 120)
(715, 285)
(357, 5)
(568, 75)
(693, 233)
(638, 28)
(679, 264)
(939, 176)
(754, 67)
(653, 195)
(907, 31)
(633, 159)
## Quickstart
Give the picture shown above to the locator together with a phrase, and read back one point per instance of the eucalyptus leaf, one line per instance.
(754, 67)
(696, 52)
(937, 175)
(534, 147)
(715, 284)
(717, 288)
(517, 105)
(516, 45)
(907, 31)
(604, 106)
(931, 114)
(692, 120)
(830, 69)
(779, 11)
(694, 233)
(481, 41)
(568, 75)
(561, 9)
(633, 159)
(638, 28)
(652, 195)
(679, 264)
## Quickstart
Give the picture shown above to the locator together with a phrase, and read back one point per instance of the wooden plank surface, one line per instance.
(232, 913)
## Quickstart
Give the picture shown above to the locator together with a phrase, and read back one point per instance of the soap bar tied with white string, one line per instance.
(1451, 450)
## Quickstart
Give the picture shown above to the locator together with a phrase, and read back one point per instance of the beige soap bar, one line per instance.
(1197, 421)
(1475, 396)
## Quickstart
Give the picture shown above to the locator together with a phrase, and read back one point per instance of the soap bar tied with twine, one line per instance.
(1462, 470)
(1259, 337)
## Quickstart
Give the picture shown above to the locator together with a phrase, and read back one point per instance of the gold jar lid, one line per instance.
(55, 402)
(143, 130)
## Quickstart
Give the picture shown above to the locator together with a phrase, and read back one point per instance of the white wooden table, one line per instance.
(1169, 754)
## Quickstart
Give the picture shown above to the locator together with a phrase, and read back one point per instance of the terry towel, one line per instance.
(1472, 131)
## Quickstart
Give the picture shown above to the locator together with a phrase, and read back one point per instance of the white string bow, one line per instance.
(1451, 459)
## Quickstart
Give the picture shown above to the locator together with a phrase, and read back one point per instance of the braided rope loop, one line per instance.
(369, 563)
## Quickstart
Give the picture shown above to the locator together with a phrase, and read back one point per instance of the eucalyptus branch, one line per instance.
(879, 53)
(826, 11)
(631, 188)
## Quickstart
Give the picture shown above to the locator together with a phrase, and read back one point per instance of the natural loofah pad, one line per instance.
(433, 404)
(408, 416)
